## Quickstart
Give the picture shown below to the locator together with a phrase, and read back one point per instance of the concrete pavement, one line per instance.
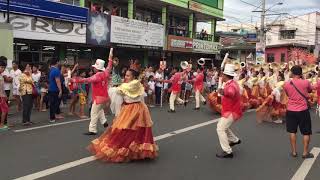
(264, 153)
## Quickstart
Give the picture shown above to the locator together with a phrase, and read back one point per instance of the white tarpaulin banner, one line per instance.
(27, 27)
(206, 46)
(130, 31)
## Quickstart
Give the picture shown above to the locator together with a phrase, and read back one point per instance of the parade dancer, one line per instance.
(198, 88)
(231, 112)
(176, 81)
(100, 96)
(130, 136)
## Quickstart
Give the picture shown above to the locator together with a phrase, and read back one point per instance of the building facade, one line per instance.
(302, 32)
(83, 30)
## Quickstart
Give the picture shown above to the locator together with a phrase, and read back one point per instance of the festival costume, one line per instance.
(253, 90)
(198, 88)
(231, 111)
(130, 137)
(176, 81)
(274, 107)
(99, 84)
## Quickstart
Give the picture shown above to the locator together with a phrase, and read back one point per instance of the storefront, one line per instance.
(186, 49)
(40, 36)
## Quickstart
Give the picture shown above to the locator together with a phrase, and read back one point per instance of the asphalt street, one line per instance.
(187, 155)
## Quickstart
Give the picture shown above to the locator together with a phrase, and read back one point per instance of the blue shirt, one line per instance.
(54, 73)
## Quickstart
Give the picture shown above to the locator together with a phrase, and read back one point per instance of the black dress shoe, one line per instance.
(196, 109)
(235, 143)
(205, 102)
(90, 133)
(224, 155)
(105, 124)
(171, 111)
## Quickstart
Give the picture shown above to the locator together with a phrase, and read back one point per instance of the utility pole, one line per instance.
(8, 11)
(262, 27)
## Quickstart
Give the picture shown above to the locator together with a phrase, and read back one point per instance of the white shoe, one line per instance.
(279, 121)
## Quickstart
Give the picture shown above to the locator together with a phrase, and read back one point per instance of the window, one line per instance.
(270, 58)
(287, 34)
(283, 57)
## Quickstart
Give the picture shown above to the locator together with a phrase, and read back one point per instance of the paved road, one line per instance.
(188, 154)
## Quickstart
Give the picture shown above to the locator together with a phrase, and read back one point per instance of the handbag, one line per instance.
(34, 91)
(304, 97)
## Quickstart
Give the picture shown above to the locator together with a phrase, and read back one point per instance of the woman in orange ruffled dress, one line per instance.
(273, 108)
(130, 137)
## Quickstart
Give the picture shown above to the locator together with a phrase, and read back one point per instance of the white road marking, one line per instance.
(79, 162)
(50, 125)
(70, 122)
(306, 165)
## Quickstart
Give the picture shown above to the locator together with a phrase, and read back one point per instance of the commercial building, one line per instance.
(301, 32)
(80, 31)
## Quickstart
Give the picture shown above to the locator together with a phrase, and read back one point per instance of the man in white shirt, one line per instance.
(149, 72)
(159, 76)
(15, 74)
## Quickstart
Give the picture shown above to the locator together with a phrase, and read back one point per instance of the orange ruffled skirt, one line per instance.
(214, 102)
(129, 138)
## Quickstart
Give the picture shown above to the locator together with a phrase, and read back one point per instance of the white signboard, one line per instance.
(177, 43)
(27, 27)
(130, 31)
(205, 46)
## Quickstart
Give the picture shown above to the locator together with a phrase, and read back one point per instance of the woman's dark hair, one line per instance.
(296, 70)
(3, 63)
(3, 58)
(134, 73)
(25, 66)
(281, 76)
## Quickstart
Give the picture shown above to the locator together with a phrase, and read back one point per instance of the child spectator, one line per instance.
(82, 90)
(73, 87)
(43, 91)
(151, 90)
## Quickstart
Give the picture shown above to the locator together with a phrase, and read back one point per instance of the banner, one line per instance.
(134, 32)
(98, 31)
(47, 9)
(27, 27)
(260, 53)
(179, 43)
(207, 47)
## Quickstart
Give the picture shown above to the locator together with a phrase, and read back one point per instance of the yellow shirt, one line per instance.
(26, 83)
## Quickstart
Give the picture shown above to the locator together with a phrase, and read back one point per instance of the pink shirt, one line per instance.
(296, 102)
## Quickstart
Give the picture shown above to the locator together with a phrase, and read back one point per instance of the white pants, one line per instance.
(225, 134)
(173, 98)
(199, 98)
(97, 113)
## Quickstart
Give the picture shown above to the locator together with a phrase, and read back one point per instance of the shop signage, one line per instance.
(98, 31)
(179, 43)
(26, 27)
(134, 32)
(195, 6)
(260, 53)
(206, 46)
(46, 9)
(180, 3)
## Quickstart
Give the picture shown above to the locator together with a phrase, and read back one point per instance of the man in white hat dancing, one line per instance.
(231, 111)
(99, 92)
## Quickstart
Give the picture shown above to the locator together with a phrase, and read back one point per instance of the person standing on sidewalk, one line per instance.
(3, 97)
(54, 91)
(231, 112)
(298, 114)
(25, 89)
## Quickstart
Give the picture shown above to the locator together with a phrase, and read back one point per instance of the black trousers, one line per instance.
(27, 104)
(54, 104)
(158, 95)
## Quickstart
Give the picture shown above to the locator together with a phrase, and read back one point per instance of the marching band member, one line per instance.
(176, 81)
(231, 112)
(198, 88)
